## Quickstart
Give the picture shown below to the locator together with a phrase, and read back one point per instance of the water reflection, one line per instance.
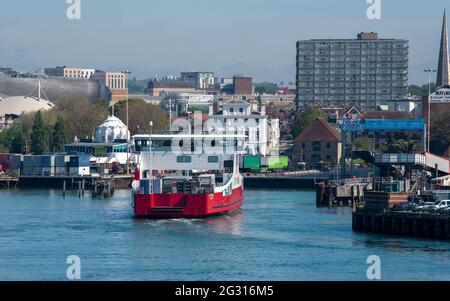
(226, 224)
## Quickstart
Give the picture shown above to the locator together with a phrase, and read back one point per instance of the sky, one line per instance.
(164, 37)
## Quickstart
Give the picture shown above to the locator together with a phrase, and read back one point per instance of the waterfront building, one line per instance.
(318, 144)
(203, 80)
(367, 71)
(111, 129)
(262, 132)
(117, 82)
(110, 141)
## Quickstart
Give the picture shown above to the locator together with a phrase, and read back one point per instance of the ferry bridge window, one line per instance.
(184, 159)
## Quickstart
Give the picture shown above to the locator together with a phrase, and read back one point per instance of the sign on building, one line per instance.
(440, 96)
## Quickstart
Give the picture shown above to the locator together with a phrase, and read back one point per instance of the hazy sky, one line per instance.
(251, 37)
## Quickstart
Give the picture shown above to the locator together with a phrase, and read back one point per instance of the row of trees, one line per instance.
(48, 131)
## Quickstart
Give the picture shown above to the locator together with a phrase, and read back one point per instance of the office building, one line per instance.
(69, 72)
(203, 80)
(117, 82)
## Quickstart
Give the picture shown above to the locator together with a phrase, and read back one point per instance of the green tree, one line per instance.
(266, 88)
(139, 115)
(362, 143)
(305, 118)
(59, 136)
(17, 143)
(421, 90)
(440, 134)
(39, 138)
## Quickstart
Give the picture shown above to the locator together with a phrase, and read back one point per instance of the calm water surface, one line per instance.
(278, 235)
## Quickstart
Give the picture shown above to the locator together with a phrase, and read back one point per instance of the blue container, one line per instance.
(79, 161)
(48, 161)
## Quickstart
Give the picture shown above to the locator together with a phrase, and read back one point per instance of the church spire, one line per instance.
(443, 66)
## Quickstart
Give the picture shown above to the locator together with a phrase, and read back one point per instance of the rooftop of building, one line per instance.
(361, 37)
(386, 115)
(18, 105)
(319, 130)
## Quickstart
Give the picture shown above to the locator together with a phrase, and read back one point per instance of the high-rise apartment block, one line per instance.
(366, 71)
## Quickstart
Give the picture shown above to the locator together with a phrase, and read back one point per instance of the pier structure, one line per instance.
(403, 223)
(8, 182)
(99, 185)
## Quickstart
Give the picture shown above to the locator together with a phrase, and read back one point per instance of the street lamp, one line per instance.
(128, 131)
(430, 72)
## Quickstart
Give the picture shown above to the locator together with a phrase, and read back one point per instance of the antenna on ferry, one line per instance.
(150, 174)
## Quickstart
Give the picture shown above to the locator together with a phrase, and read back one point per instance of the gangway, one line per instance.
(427, 160)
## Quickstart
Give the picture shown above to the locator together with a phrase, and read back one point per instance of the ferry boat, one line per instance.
(185, 184)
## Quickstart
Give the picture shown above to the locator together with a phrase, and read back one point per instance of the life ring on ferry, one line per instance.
(135, 185)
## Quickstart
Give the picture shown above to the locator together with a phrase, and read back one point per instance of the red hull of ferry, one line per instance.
(179, 205)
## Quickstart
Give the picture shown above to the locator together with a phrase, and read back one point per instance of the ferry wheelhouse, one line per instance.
(187, 176)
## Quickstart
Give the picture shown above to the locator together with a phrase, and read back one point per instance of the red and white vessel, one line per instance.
(184, 185)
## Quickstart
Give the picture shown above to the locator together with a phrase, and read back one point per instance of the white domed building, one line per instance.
(108, 146)
(110, 130)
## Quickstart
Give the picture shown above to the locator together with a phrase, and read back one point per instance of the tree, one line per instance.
(440, 133)
(59, 136)
(362, 143)
(266, 88)
(139, 115)
(39, 138)
(304, 119)
(421, 90)
(81, 117)
(17, 144)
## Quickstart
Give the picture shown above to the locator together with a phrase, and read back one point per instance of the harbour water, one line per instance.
(278, 235)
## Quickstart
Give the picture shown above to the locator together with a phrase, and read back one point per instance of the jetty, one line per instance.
(8, 182)
(100, 185)
(423, 224)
